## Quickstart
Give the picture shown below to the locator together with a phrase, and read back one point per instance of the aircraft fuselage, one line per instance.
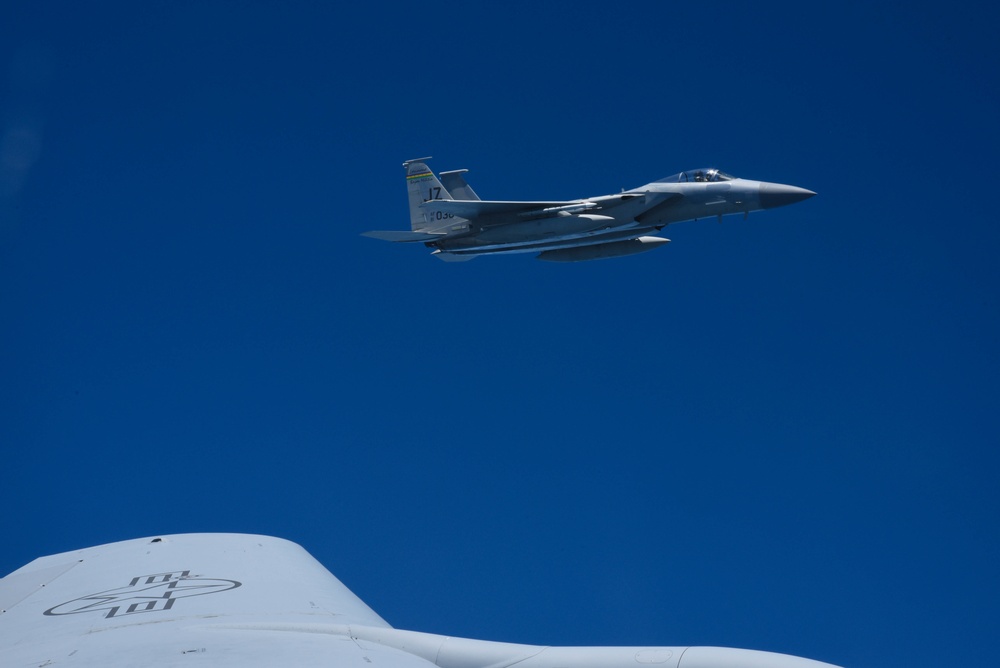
(459, 229)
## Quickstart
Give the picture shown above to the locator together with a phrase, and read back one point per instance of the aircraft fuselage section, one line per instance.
(610, 216)
(469, 227)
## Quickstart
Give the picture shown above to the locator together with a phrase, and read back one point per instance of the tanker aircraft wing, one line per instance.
(448, 216)
(228, 600)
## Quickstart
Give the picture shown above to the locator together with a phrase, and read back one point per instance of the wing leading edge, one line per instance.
(255, 601)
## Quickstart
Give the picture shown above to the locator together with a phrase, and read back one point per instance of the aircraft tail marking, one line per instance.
(422, 186)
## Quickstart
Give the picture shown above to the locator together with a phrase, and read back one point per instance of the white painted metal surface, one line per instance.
(225, 600)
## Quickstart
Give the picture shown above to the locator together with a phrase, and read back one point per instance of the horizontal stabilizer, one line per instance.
(403, 235)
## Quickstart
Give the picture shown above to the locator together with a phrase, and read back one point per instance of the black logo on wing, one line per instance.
(146, 593)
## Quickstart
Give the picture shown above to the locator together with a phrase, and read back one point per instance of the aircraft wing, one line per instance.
(196, 599)
(478, 208)
(228, 600)
(471, 209)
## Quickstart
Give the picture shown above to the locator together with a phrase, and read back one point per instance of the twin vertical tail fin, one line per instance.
(456, 185)
(421, 186)
(428, 226)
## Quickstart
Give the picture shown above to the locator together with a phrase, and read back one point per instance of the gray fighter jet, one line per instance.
(448, 216)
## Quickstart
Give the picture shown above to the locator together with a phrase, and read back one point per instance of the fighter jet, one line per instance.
(448, 216)
(228, 600)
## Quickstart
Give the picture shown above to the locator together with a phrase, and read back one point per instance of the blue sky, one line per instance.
(777, 434)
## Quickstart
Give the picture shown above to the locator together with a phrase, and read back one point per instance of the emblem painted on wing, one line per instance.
(145, 593)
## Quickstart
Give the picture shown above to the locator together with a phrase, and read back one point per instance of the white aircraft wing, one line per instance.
(197, 599)
(228, 600)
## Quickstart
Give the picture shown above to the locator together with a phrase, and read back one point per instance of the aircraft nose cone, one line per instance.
(724, 657)
(777, 194)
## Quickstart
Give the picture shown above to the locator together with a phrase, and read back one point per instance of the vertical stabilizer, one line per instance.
(421, 186)
(456, 185)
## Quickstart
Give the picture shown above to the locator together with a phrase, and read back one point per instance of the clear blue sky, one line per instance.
(777, 434)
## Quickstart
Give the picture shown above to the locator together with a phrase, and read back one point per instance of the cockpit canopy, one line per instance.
(698, 176)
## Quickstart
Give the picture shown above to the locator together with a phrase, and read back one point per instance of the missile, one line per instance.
(565, 210)
(601, 251)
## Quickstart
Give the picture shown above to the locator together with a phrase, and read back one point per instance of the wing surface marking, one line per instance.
(235, 600)
(157, 598)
